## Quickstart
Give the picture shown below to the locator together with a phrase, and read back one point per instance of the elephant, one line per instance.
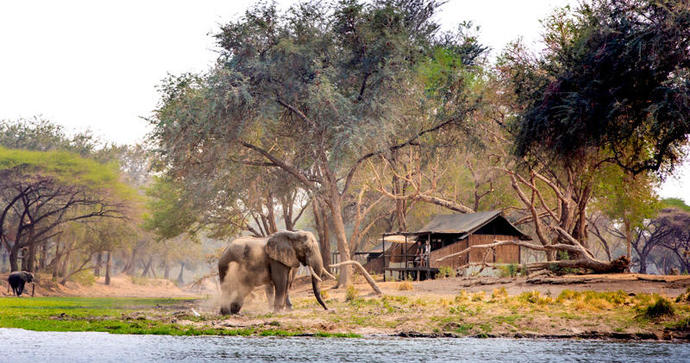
(17, 281)
(249, 262)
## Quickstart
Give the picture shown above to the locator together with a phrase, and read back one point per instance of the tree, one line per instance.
(614, 80)
(43, 190)
(581, 105)
(315, 92)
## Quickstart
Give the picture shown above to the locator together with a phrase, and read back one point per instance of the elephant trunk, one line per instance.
(317, 291)
(315, 264)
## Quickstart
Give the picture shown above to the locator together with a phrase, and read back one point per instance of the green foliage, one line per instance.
(321, 85)
(583, 97)
(660, 308)
(446, 271)
(675, 203)
(67, 167)
(534, 297)
(351, 293)
(171, 214)
(510, 270)
(684, 297)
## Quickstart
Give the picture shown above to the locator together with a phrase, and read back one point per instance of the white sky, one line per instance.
(95, 64)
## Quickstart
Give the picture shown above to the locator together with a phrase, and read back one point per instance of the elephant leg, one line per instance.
(269, 294)
(288, 304)
(280, 275)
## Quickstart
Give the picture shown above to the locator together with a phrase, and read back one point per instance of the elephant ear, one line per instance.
(280, 247)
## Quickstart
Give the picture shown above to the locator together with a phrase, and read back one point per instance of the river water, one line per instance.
(17, 345)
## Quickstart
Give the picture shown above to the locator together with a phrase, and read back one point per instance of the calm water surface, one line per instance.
(27, 346)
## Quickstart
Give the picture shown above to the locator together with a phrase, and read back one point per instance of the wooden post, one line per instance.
(383, 247)
(405, 257)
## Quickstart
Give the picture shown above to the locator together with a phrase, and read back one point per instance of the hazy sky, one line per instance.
(95, 64)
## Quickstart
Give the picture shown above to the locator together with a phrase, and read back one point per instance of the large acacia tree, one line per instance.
(611, 87)
(315, 91)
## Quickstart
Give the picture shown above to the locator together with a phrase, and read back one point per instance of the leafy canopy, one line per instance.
(615, 77)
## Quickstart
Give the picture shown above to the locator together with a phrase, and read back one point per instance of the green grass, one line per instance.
(121, 316)
(89, 314)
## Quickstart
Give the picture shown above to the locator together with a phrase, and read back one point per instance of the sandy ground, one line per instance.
(125, 286)
(120, 286)
(670, 286)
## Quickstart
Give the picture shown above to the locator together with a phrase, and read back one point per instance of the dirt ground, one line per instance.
(125, 286)
(120, 286)
(670, 286)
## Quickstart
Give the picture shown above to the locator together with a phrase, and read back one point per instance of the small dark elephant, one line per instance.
(17, 281)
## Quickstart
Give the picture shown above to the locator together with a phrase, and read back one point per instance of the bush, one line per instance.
(462, 297)
(499, 293)
(446, 271)
(662, 307)
(685, 297)
(350, 293)
(533, 297)
(324, 294)
(84, 278)
(508, 270)
(405, 285)
(523, 270)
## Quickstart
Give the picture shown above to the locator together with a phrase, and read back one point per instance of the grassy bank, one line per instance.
(122, 316)
(570, 314)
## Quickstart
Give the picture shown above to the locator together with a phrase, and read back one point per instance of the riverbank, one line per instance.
(483, 308)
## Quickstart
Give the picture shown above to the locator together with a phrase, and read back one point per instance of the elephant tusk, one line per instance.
(313, 274)
(328, 274)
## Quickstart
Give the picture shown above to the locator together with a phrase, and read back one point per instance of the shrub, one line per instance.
(446, 271)
(84, 278)
(685, 297)
(462, 297)
(523, 270)
(499, 293)
(510, 270)
(533, 297)
(662, 307)
(405, 285)
(324, 294)
(350, 293)
(478, 296)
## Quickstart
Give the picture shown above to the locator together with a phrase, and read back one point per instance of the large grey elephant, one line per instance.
(250, 262)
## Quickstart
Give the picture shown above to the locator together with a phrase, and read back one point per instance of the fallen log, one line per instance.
(364, 272)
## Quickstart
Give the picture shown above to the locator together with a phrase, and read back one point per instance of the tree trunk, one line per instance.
(57, 260)
(147, 267)
(180, 278)
(14, 256)
(341, 236)
(129, 266)
(321, 221)
(107, 268)
(166, 270)
(65, 264)
(99, 262)
(643, 262)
